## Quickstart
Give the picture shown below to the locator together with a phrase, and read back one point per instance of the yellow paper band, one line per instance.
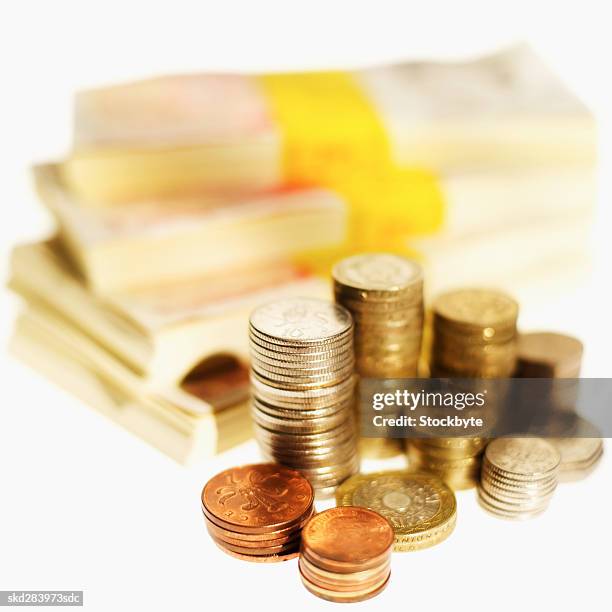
(334, 138)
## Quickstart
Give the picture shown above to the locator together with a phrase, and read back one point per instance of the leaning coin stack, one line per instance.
(384, 293)
(302, 378)
(474, 336)
(421, 509)
(519, 477)
(256, 512)
(346, 554)
(579, 456)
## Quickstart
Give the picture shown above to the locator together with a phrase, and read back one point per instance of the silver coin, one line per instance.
(301, 320)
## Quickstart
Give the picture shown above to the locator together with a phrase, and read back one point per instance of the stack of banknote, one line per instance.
(188, 200)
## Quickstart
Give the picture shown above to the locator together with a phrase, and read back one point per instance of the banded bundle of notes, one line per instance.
(188, 200)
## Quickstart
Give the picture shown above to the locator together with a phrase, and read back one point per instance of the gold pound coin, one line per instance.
(420, 507)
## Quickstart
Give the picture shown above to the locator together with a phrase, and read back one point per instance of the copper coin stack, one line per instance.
(519, 477)
(302, 364)
(384, 293)
(474, 336)
(346, 554)
(256, 512)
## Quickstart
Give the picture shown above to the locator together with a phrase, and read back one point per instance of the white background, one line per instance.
(84, 505)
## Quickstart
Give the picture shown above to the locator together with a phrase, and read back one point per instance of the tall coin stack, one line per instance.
(302, 377)
(384, 293)
(519, 476)
(474, 336)
(345, 554)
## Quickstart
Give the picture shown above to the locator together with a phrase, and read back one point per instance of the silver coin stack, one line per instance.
(302, 364)
(519, 477)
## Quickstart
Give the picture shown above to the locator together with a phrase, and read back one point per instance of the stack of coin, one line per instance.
(256, 512)
(548, 355)
(473, 337)
(421, 509)
(519, 476)
(579, 456)
(346, 554)
(558, 356)
(384, 293)
(474, 334)
(455, 460)
(302, 364)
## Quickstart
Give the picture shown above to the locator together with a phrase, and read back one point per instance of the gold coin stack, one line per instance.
(302, 364)
(421, 509)
(384, 293)
(474, 336)
(346, 554)
(256, 512)
(519, 477)
(455, 460)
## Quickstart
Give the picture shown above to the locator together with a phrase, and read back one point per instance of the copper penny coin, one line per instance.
(348, 537)
(258, 498)
(264, 550)
(260, 558)
(281, 535)
(293, 538)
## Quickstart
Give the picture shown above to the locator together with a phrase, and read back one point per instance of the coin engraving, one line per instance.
(348, 534)
(523, 455)
(403, 502)
(257, 495)
(301, 319)
(478, 307)
(413, 502)
(377, 271)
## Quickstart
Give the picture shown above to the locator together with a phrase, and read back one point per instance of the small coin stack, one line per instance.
(548, 355)
(384, 293)
(519, 477)
(256, 512)
(302, 364)
(421, 509)
(474, 336)
(553, 355)
(579, 456)
(346, 554)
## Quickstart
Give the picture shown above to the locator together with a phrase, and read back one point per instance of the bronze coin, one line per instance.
(263, 550)
(285, 533)
(347, 538)
(343, 597)
(273, 558)
(259, 498)
(274, 543)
